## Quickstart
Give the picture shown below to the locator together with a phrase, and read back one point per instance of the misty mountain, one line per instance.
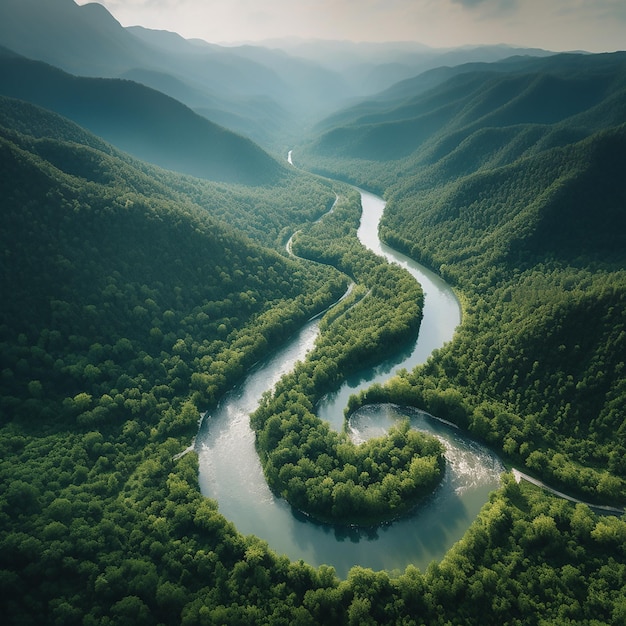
(259, 117)
(371, 67)
(141, 121)
(261, 92)
(227, 83)
(438, 112)
(87, 40)
(79, 39)
(269, 92)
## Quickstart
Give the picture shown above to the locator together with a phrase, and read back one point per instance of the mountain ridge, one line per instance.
(577, 91)
(141, 121)
(303, 84)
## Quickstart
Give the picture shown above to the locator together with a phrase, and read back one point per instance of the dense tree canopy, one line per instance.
(521, 205)
(134, 297)
(318, 470)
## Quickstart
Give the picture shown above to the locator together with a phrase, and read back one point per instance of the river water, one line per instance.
(230, 471)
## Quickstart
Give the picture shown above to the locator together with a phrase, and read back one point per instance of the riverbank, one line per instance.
(230, 470)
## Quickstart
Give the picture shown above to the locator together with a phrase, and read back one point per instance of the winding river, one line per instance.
(231, 473)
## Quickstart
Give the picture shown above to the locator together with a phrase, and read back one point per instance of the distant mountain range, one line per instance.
(269, 93)
(141, 121)
(170, 101)
(444, 110)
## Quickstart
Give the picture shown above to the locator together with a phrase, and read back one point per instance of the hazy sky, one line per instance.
(593, 25)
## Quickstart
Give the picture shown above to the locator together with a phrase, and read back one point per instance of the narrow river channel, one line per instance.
(230, 471)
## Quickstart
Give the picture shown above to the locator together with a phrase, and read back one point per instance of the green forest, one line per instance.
(318, 470)
(530, 230)
(135, 297)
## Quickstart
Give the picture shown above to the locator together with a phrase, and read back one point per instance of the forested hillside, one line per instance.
(511, 187)
(127, 308)
(473, 117)
(99, 253)
(99, 524)
(133, 297)
(141, 121)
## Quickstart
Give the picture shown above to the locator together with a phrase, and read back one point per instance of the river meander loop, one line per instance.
(231, 473)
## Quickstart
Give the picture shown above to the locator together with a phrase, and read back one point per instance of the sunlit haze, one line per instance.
(592, 25)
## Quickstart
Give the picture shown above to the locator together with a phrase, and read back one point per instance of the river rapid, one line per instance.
(231, 473)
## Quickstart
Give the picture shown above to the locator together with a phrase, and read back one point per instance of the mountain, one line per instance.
(437, 112)
(269, 92)
(86, 40)
(370, 67)
(563, 203)
(228, 84)
(141, 121)
(100, 248)
(258, 117)
(80, 39)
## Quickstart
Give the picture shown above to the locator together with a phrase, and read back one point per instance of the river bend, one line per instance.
(231, 473)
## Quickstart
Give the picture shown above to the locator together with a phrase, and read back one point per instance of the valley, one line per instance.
(230, 471)
(147, 206)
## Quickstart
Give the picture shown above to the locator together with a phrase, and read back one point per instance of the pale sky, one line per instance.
(593, 25)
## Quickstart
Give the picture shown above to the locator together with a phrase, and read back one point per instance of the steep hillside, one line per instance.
(141, 121)
(95, 254)
(396, 102)
(564, 203)
(259, 117)
(72, 37)
(268, 215)
(419, 124)
(510, 185)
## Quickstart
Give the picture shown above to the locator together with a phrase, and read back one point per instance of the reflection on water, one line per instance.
(230, 470)
(441, 316)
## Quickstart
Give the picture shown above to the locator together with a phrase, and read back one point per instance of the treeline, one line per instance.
(319, 471)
